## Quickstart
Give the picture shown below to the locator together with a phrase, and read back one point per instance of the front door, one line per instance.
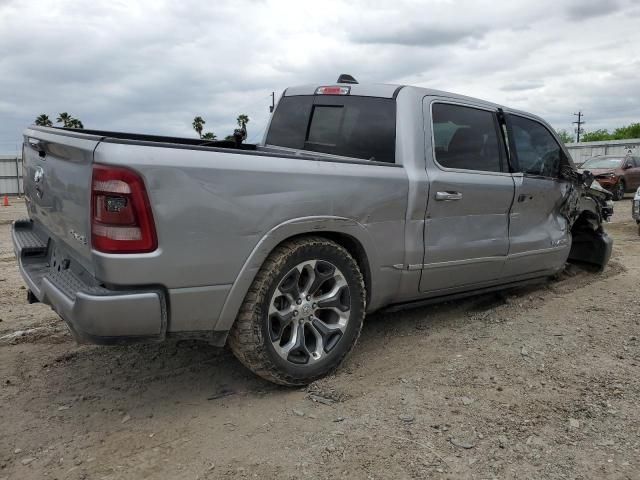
(540, 237)
(467, 220)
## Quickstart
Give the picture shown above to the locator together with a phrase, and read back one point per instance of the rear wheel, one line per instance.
(302, 314)
(619, 190)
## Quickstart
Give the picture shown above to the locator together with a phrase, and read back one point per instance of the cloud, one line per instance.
(151, 66)
(585, 9)
(420, 34)
(519, 86)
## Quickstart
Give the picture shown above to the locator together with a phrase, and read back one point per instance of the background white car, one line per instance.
(635, 208)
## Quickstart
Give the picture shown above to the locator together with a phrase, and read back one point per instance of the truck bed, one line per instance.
(200, 144)
(218, 211)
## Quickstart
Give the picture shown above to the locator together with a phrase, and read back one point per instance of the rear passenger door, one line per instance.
(470, 193)
(540, 238)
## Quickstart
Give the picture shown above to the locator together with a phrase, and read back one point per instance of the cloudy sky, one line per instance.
(152, 65)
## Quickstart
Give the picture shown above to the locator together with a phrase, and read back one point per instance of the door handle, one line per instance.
(446, 196)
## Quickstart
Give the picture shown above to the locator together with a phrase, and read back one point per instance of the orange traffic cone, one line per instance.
(5, 203)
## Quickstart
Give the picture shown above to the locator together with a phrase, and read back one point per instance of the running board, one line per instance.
(456, 296)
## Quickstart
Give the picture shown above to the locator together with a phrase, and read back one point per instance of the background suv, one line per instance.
(618, 174)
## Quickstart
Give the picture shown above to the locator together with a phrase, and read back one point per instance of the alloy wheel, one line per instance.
(309, 312)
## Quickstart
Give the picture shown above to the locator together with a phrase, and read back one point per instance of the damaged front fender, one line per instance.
(587, 207)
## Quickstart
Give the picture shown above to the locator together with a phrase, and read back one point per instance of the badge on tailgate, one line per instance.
(38, 176)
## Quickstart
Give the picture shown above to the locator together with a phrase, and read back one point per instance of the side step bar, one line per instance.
(456, 296)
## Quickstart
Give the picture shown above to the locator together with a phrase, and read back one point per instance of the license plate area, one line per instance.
(68, 274)
(58, 259)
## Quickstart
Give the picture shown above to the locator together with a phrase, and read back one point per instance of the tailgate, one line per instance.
(57, 185)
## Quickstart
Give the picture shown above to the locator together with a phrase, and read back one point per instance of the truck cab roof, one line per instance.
(387, 90)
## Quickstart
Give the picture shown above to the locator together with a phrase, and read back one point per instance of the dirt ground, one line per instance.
(542, 382)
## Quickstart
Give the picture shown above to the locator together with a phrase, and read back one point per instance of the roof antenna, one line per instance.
(346, 78)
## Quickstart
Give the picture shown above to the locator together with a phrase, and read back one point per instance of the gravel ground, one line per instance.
(541, 382)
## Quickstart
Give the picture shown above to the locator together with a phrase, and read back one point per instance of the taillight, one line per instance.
(121, 218)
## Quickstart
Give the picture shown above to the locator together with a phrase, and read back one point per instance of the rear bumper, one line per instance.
(94, 314)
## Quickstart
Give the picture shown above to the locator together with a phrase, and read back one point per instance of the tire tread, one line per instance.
(246, 339)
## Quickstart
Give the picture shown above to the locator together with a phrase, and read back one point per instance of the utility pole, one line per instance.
(579, 122)
(273, 102)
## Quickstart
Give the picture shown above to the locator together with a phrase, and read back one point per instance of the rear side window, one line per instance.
(537, 150)
(359, 127)
(466, 138)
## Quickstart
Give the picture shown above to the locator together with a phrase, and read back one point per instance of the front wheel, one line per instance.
(302, 314)
(619, 190)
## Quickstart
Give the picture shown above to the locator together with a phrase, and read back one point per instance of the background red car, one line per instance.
(616, 173)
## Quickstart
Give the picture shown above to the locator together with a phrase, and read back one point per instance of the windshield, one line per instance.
(599, 162)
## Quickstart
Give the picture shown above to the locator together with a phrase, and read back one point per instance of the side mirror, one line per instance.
(627, 166)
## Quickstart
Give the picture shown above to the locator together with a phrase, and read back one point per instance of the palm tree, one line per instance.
(43, 121)
(198, 125)
(209, 136)
(243, 120)
(75, 123)
(64, 118)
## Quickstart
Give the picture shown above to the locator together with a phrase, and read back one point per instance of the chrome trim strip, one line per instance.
(470, 261)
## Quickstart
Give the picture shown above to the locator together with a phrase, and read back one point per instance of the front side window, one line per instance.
(537, 150)
(466, 138)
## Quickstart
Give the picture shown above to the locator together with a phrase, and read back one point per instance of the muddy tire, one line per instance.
(303, 313)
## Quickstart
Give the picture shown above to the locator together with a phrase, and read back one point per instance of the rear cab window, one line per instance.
(348, 126)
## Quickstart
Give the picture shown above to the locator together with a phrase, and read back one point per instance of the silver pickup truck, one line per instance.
(360, 198)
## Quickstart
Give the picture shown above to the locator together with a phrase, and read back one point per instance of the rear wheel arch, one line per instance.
(357, 251)
(347, 233)
(350, 243)
(280, 333)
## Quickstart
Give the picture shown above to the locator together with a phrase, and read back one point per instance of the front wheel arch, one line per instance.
(622, 186)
